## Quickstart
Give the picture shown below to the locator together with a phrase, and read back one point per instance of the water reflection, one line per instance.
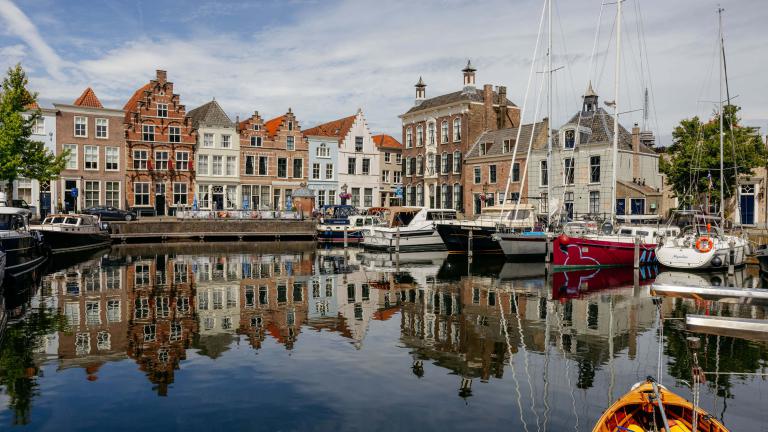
(536, 352)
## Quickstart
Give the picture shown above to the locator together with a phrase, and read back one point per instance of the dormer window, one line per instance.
(570, 139)
(256, 127)
(507, 146)
(484, 148)
(290, 125)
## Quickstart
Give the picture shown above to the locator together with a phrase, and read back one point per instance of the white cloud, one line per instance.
(328, 59)
(20, 25)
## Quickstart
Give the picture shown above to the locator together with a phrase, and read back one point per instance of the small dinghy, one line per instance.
(640, 411)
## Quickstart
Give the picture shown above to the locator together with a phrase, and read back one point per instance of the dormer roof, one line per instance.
(88, 99)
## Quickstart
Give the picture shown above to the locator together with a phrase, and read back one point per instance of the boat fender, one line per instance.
(716, 261)
(704, 244)
(564, 238)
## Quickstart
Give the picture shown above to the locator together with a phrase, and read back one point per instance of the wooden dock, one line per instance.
(160, 231)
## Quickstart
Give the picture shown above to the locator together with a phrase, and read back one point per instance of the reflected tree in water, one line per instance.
(18, 370)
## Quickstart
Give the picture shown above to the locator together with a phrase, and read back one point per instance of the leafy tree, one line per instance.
(694, 156)
(21, 156)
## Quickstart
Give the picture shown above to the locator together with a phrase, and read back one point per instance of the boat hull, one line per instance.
(410, 240)
(65, 242)
(519, 246)
(23, 253)
(688, 258)
(456, 239)
(335, 234)
(599, 251)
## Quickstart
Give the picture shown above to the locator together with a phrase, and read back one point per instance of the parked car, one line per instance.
(20, 203)
(107, 213)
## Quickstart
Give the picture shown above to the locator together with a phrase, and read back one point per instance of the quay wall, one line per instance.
(162, 230)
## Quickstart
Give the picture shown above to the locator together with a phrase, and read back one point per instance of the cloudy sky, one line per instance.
(326, 58)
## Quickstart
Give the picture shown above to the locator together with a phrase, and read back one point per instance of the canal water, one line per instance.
(288, 337)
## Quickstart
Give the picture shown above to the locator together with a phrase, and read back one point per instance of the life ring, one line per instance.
(701, 247)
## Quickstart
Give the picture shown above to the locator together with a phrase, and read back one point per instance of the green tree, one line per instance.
(20, 156)
(694, 156)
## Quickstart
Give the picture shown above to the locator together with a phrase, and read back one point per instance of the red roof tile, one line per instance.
(337, 128)
(32, 106)
(272, 125)
(88, 99)
(386, 141)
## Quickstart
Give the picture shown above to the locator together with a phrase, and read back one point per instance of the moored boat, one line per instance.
(24, 250)
(652, 407)
(408, 229)
(334, 221)
(579, 249)
(703, 246)
(65, 233)
(455, 233)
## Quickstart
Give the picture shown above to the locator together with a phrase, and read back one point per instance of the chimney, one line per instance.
(469, 78)
(237, 123)
(421, 92)
(501, 121)
(161, 76)
(635, 151)
(488, 105)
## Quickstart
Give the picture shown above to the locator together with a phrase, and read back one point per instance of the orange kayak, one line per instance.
(638, 411)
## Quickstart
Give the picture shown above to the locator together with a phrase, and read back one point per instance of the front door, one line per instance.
(478, 204)
(69, 198)
(217, 197)
(747, 204)
(160, 199)
(45, 204)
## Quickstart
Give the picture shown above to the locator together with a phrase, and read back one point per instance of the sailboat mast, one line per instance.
(549, 112)
(722, 173)
(616, 110)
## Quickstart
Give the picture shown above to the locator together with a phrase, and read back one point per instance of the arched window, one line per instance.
(457, 129)
(445, 167)
(431, 133)
(419, 136)
(444, 132)
(431, 164)
(457, 162)
(419, 165)
(457, 199)
(419, 195)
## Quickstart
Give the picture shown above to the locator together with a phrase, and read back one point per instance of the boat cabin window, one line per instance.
(58, 220)
(358, 222)
(71, 221)
(521, 214)
(403, 218)
(625, 231)
(368, 221)
(11, 222)
(642, 233)
(437, 215)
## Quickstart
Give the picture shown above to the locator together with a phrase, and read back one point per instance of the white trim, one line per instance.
(75, 124)
(96, 128)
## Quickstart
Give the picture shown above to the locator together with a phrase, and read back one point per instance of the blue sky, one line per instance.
(324, 59)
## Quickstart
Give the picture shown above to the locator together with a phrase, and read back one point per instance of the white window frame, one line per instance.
(72, 160)
(86, 156)
(111, 158)
(174, 131)
(208, 143)
(329, 171)
(457, 129)
(181, 160)
(89, 200)
(164, 108)
(185, 193)
(84, 124)
(142, 161)
(220, 160)
(105, 125)
(161, 160)
(230, 166)
(107, 191)
(142, 193)
(226, 141)
(148, 129)
(39, 127)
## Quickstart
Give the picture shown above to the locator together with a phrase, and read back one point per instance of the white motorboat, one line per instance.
(65, 233)
(409, 229)
(702, 247)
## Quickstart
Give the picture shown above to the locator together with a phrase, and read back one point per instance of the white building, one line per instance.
(218, 158)
(358, 160)
(42, 197)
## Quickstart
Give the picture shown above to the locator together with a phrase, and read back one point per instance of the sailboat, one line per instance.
(703, 244)
(585, 245)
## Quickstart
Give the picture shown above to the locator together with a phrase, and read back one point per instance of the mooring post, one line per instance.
(470, 239)
(637, 252)
(731, 258)
(397, 242)
(345, 237)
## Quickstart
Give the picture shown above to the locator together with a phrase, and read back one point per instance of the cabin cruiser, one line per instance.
(334, 221)
(355, 225)
(408, 229)
(702, 245)
(455, 233)
(73, 233)
(23, 250)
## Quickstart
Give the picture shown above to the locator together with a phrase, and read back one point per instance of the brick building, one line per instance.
(439, 131)
(160, 145)
(487, 165)
(273, 156)
(96, 166)
(391, 164)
